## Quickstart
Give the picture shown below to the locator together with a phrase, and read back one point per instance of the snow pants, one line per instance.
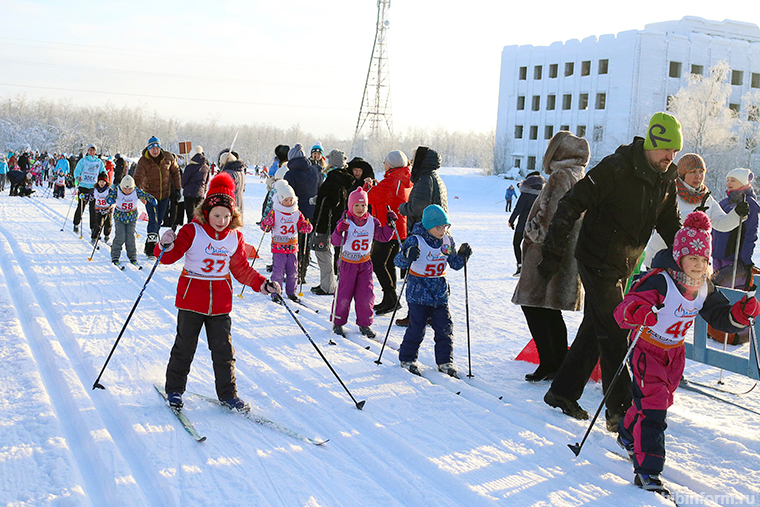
(124, 232)
(59, 191)
(443, 329)
(354, 282)
(383, 254)
(219, 343)
(599, 338)
(102, 224)
(2, 181)
(285, 268)
(326, 262)
(656, 374)
(84, 197)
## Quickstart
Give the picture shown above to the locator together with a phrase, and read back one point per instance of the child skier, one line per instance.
(59, 190)
(425, 253)
(285, 221)
(212, 249)
(354, 234)
(124, 198)
(102, 213)
(679, 286)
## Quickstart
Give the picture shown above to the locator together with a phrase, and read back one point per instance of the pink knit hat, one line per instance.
(694, 237)
(358, 195)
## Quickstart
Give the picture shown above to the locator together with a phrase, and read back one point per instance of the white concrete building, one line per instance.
(606, 88)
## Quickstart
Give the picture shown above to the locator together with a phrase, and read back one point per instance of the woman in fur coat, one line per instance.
(565, 162)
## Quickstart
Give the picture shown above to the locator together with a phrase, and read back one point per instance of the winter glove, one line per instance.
(465, 251)
(744, 309)
(167, 240)
(413, 252)
(548, 267)
(342, 226)
(511, 226)
(640, 314)
(176, 195)
(742, 209)
(269, 288)
(391, 217)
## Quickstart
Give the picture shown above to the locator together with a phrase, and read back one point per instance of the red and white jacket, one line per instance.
(206, 288)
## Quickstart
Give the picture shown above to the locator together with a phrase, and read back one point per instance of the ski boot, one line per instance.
(651, 482)
(411, 367)
(236, 403)
(366, 331)
(339, 330)
(568, 407)
(175, 400)
(448, 369)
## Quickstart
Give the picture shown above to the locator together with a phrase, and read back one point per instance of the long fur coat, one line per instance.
(565, 167)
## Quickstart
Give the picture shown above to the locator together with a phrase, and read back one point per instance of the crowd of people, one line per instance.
(611, 242)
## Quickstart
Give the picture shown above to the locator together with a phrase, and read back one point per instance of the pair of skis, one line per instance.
(256, 418)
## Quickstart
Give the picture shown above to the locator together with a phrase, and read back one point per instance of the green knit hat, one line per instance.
(664, 133)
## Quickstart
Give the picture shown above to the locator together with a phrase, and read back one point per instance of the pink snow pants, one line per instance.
(354, 282)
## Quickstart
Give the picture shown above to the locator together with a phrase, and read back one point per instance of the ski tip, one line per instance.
(202, 439)
(360, 405)
(576, 448)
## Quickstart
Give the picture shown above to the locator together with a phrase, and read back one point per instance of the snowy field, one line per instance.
(489, 440)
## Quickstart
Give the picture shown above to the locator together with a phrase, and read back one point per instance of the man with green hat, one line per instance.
(624, 198)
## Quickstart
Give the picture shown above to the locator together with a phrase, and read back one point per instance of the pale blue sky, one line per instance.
(300, 62)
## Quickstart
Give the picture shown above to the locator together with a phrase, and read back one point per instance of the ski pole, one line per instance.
(576, 448)
(467, 317)
(73, 196)
(97, 383)
(752, 333)
(255, 255)
(733, 283)
(393, 316)
(95, 246)
(359, 404)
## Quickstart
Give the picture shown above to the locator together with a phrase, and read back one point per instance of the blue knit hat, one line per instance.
(154, 142)
(317, 147)
(434, 216)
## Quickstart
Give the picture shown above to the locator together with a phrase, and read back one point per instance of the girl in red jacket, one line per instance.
(212, 249)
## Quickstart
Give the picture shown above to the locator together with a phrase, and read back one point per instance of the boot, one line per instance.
(568, 406)
(150, 244)
(388, 304)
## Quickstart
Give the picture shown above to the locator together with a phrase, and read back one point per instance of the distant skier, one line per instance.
(511, 193)
(86, 175)
(124, 197)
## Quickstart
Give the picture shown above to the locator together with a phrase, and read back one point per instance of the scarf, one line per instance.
(690, 194)
(688, 285)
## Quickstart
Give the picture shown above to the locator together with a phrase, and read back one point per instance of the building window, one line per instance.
(536, 102)
(753, 113)
(569, 68)
(598, 134)
(583, 101)
(698, 70)
(564, 127)
(534, 132)
(518, 131)
(755, 83)
(580, 131)
(601, 100)
(675, 69)
(537, 71)
(737, 77)
(603, 66)
(521, 102)
(531, 163)
(548, 131)
(523, 73)
(553, 69)
(551, 102)
(585, 67)
(567, 101)
(516, 162)
(735, 108)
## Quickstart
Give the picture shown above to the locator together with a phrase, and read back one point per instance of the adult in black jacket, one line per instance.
(194, 181)
(305, 179)
(332, 201)
(625, 197)
(120, 169)
(529, 190)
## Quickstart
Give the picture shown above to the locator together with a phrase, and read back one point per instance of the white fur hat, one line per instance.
(226, 158)
(284, 190)
(280, 173)
(127, 182)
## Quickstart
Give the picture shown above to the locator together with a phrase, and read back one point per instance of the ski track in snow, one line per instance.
(416, 443)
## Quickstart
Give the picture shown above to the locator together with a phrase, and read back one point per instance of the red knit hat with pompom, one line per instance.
(694, 237)
(221, 192)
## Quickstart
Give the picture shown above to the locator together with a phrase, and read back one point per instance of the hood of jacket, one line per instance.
(428, 164)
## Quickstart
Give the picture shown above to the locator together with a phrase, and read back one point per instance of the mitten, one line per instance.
(177, 195)
(548, 267)
(640, 314)
(413, 252)
(391, 217)
(511, 226)
(269, 287)
(465, 250)
(342, 226)
(745, 309)
(742, 209)
(167, 240)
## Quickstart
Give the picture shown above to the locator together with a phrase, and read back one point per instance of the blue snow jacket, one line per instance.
(433, 291)
(305, 179)
(87, 170)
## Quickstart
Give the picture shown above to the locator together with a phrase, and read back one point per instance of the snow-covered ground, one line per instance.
(482, 441)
